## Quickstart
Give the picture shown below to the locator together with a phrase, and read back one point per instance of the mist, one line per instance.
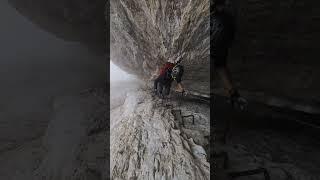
(36, 68)
(117, 74)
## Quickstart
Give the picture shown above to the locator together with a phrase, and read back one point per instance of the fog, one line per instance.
(35, 69)
(120, 84)
(117, 74)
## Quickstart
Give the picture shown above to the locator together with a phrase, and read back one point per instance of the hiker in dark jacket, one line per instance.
(223, 29)
(169, 73)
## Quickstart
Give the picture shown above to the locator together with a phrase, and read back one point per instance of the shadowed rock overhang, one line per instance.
(275, 49)
(143, 34)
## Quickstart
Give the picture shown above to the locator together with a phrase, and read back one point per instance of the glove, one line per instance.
(237, 101)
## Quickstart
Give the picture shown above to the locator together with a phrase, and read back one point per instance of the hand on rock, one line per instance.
(182, 91)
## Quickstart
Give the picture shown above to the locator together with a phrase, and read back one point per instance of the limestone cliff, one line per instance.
(145, 34)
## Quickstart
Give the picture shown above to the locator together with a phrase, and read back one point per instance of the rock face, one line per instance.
(158, 148)
(275, 49)
(144, 34)
(147, 141)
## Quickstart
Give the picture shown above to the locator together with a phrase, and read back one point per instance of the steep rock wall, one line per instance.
(144, 34)
(275, 49)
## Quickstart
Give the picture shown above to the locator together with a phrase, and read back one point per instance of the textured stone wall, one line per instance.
(147, 142)
(145, 34)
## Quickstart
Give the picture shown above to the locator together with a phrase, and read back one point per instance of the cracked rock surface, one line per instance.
(144, 34)
(147, 143)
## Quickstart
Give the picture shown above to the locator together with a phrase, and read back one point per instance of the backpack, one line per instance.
(165, 67)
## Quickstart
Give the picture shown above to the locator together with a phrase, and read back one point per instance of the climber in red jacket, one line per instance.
(169, 72)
